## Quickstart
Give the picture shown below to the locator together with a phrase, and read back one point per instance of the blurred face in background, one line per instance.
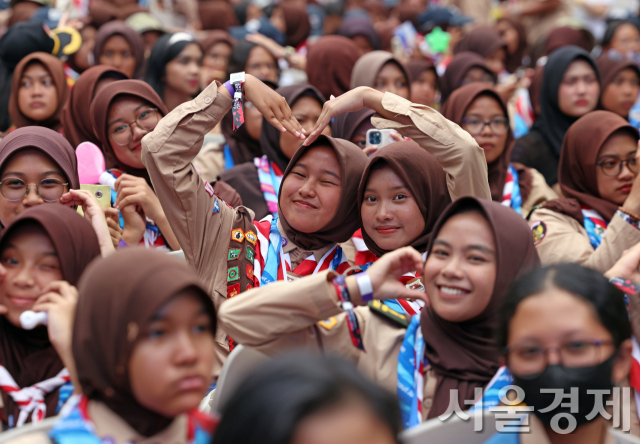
(37, 96)
(214, 64)
(262, 65)
(117, 52)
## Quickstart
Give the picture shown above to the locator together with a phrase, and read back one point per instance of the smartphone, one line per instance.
(381, 138)
(102, 194)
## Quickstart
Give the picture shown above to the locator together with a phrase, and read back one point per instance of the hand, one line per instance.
(93, 213)
(632, 202)
(270, 45)
(350, 101)
(369, 150)
(134, 225)
(272, 106)
(386, 272)
(135, 191)
(113, 222)
(59, 301)
(627, 266)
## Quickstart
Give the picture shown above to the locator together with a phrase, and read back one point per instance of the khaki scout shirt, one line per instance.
(306, 314)
(540, 192)
(560, 238)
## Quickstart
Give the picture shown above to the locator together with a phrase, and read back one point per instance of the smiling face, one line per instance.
(579, 91)
(183, 72)
(117, 52)
(460, 272)
(31, 166)
(486, 109)
(619, 146)
(310, 194)
(122, 112)
(32, 263)
(391, 78)
(37, 95)
(306, 110)
(170, 366)
(620, 95)
(390, 214)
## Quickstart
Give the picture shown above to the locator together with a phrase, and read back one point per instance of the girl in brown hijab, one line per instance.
(43, 252)
(296, 21)
(487, 43)
(143, 349)
(76, 118)
(39, 91)
(620, 83)
(216, 15)
(217, 47)
(465, 68)
(513, 34)
(454, 334)
(598, 177)
(119, 46)
(330, 61)
(258, 181)
(353, 126)
(424, 81)
(481, 112)
(380, 70)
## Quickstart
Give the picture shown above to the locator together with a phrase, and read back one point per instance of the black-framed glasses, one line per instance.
(612, 166)
(533, 359)
(475, 125)
(14, 189)
(122, 133)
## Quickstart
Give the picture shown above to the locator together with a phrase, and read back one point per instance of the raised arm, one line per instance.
(458, 153)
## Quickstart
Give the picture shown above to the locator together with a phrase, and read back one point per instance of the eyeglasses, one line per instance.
(612, 166)
(475, 125)
(14, 189)
(532, 360)
(122, 133)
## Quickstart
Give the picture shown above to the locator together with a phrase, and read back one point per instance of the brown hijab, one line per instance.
(214, 37)
(609, 68)
(481, 40)
(216, 15)
(134, 39)
(28, 355)
(100, 110)
(345, 222)
(514, 61)
(56, 69)
(566, 36)
(345, 125)
(455, 108)
(464, 355)
(296, 20)
(577, 168)
(424, 177)
(110, 316)
(415, 67)
(330, 61)
(76, 120)
(369, 65)
(460, 65)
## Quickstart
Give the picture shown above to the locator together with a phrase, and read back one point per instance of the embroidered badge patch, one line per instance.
(249, 287)
(208, 188)
(251, 254)
(539, 230)
(216, 206)
(233, 274)
(237, 235)
(328, 323)
(234, 253)
(249, 271)
(251, 237)
(233, 290)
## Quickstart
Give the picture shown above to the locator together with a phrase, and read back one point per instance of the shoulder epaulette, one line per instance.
(384, 310)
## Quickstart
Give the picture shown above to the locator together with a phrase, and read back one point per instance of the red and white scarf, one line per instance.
(363, 254)
(30, 400)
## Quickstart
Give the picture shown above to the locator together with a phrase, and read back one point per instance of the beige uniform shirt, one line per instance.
(561, 238)
(540, 192)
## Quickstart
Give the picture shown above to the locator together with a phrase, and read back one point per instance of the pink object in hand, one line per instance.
(90, 163)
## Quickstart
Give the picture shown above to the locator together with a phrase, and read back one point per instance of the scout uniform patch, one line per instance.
(237, 235)
(415, 284)
(249, 287)
(233, 274)
(249, 271)
(216, 206)
(233, 290)
(251, 237)
(251, 254)
(234, 253)
(328, 324)
(378, 307)
(539, 230)
(208, 188)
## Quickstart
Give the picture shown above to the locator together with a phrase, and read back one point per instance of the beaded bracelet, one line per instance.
(352, 320)
(629, 218)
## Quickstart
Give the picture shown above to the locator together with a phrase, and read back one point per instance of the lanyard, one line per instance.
(411, 363)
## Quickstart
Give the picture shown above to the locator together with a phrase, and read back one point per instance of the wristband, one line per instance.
(629, 218)
(122, 244)
(625, 285)
(364, 284)
(352, 320)
(237, 109)
(229, 87)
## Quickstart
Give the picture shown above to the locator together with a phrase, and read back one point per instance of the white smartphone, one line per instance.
(381, 138)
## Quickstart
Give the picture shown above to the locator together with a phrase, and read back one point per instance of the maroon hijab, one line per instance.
(465, 355)
(296, 20)
(460, 65)
(330, 61)
(609, 69)
(481, 40)
(134, 39)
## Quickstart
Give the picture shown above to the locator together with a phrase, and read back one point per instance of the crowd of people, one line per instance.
(411, 207)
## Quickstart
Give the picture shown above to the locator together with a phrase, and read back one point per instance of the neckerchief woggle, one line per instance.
(275, 257)
(595, 225)
(511, 196)
(270, 182)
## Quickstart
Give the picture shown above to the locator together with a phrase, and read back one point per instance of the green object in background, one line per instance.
(438, 40)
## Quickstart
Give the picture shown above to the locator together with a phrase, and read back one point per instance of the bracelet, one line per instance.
(352, 320)
(229, 87)
(635, 216)
(630, 219)
(364, 284)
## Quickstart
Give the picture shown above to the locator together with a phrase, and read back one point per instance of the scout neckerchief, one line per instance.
(595, 225)
(491, 394)
(411, 364)
(270, 178)
(511, 196)
(273, 264)
(363, 254)
(228, 157)
(75, 426)
(152, 237)
(30, 400)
